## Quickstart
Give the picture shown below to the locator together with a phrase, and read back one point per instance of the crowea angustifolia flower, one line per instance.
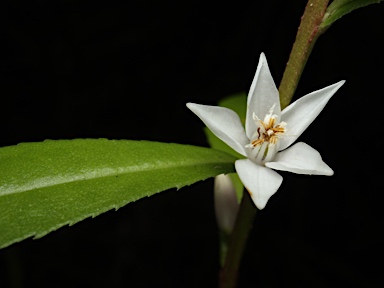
(268, 134)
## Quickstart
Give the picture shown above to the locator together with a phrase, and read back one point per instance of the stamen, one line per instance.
(273, 140)
(263, 146)
(272, 121)
(278, 129)
(257, 142)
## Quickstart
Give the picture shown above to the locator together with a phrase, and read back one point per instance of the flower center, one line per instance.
(263, 146)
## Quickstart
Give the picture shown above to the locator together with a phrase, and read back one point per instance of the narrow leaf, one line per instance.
(46, 185)
(339, 8)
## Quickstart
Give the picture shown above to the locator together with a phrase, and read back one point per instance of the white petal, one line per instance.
(224, 123)
(300, 114)
(301, 159)
(262, 95)
(261, 182)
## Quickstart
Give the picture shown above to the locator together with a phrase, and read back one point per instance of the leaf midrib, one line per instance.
(73, 179)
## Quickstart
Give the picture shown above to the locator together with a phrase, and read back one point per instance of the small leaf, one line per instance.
(238, 103)
(339, 8)
(46, 185)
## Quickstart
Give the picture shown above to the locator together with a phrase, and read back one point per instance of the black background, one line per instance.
(125, 69)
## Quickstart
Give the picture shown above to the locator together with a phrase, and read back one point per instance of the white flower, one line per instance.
(268, 133)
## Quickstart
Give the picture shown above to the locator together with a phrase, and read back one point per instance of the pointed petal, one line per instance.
(224, 123)
(301, 159)
(261, 97)
(261, 182)
(300, 114)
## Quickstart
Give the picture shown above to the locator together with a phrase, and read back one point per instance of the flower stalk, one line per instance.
(307, 34)
(237, 242)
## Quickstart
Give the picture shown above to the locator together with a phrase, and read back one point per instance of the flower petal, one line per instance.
(262, 95)
(301, 159)
(261, 182)
(300, 114)
(224, 123)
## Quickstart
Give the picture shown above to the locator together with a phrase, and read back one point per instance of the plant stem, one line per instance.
(237, 242)
(306, 37)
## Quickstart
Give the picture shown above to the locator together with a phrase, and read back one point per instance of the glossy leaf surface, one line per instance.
(46, 185)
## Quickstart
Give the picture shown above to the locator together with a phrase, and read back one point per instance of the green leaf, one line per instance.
(238, 103)
(339, 8)
(46, 185)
